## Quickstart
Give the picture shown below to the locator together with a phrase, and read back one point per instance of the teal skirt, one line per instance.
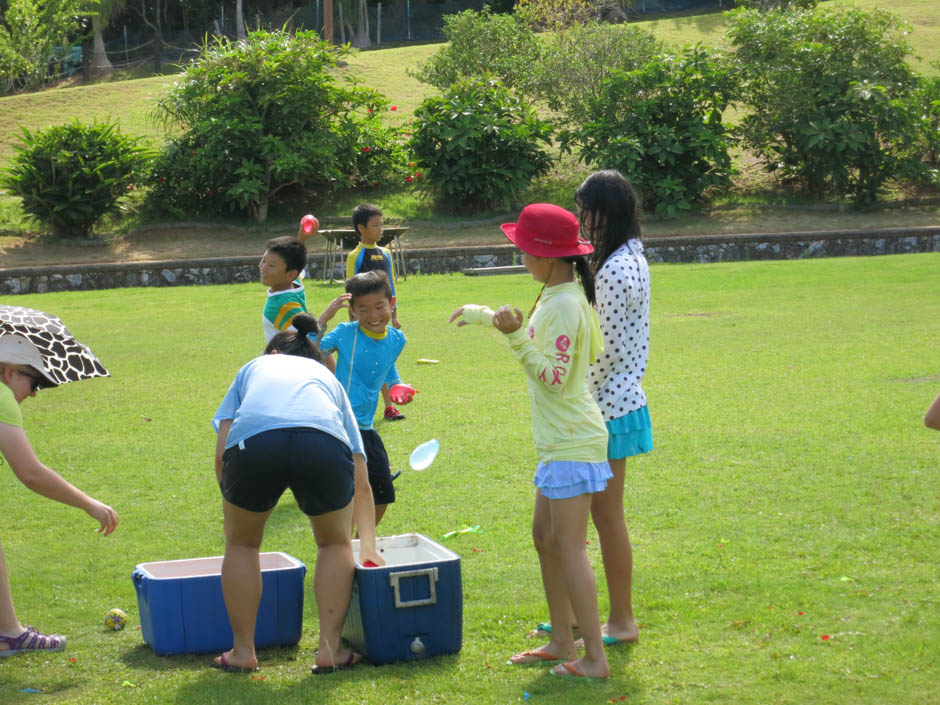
(630, 435)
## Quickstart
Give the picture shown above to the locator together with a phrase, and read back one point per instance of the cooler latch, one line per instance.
(430, 573)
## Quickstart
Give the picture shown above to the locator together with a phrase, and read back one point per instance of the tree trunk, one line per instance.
(328, 20)
(158, 51)
(239, 20)
(158, 39)
(87, 53)
(100, 62)
(259, 211)
(361, 38)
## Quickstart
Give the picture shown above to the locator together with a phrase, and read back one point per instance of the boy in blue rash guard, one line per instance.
(367, 349)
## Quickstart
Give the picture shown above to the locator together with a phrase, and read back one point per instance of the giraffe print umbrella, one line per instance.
(66, 359)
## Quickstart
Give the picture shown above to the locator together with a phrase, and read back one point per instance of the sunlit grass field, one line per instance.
(785, 526)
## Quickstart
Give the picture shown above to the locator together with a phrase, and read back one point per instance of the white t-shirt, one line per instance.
(622, 290)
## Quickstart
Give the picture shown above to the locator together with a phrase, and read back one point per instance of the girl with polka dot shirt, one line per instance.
(609, 216)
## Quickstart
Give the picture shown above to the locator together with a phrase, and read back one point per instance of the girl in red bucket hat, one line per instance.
(609, 214)
(562, 339)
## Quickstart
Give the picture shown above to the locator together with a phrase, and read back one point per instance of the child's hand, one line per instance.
(341, 301)
(303, 235)
(506, 321)
(471, 313)
(457, 314)
(308, 228)
(402, 393)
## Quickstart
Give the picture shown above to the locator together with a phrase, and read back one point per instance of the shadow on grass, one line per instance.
(540, 682)
(13, 691)
(226, 688)
(143, 657)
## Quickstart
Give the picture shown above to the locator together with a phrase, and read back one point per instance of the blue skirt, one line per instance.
(630, 435)
(563, 479)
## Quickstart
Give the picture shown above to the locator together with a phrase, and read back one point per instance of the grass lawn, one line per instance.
(791, 495)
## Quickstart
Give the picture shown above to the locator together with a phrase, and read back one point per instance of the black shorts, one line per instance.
(316, 466)
(380, 474)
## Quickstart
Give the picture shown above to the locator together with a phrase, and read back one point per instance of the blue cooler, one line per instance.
(410, 608)
(182, 610)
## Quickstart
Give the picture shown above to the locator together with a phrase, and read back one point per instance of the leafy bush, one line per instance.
(824, 90)
(923, 103)
(768, 5)
(555, 15)
(661, 125)
(266, 117)
(481, 43)
(71, 176)
(574, 63)
(32, 34)
(479, 144)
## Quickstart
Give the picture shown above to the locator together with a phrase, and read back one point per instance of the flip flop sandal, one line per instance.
(571, 671)
(349, 663)
(608, 640)
(32, 640)
(223, 665)
(614, 641)
(546, 628)
(536, 655)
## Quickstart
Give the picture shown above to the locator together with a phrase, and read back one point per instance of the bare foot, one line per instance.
(230, 661)
(582, 668)
(344, 659)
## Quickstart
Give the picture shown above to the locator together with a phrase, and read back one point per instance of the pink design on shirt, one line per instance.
(557, 374)
(563, 342)
(531, 332)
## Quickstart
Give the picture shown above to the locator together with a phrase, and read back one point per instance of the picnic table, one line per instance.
(339, 241)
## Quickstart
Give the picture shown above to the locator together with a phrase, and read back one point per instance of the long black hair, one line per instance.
(585, 274)
(607, 194)
(296, 342)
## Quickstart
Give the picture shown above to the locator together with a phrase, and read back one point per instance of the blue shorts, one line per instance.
(316, 466)
(563, 479)
(630, 435)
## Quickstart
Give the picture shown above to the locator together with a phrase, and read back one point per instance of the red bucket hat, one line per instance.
(547, 230)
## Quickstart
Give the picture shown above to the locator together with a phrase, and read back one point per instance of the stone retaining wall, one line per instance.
(229, 270)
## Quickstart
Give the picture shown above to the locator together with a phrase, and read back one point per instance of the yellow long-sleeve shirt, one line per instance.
(562, 339)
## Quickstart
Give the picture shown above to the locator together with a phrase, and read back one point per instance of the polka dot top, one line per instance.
(622, 289)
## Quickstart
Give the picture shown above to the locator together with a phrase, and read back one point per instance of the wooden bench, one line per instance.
(342, 240)
(489, 271)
